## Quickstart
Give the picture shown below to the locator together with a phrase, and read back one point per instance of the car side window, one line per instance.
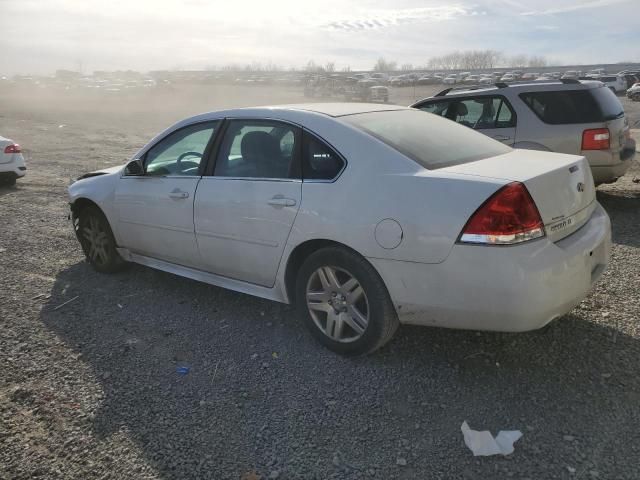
(259, 149)
(181, 152)
(438, 108)
(505, 118)
(320, 162)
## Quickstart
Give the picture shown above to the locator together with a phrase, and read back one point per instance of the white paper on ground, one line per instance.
(483, 443)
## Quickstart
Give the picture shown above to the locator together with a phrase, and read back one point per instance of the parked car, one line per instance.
(451, 79)
(255, 200)
(580, 118)
(529, 76)
(616, 83)
(486, 80)
(12, 165)
(472, 79)
(634, 92)
(509, 77)
(631, 79)
(571, 74)
(429, 80)
(596, 72)
(380, 78)
(366, 91)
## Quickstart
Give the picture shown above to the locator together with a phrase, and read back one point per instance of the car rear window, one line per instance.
(572, 106)
(430, 140)
(610, 105)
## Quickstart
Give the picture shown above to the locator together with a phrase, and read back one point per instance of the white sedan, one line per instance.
(12, 164)
(366, 216)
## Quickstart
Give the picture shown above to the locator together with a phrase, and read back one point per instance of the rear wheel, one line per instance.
(8, 180)
(344, 302)
(98, 243)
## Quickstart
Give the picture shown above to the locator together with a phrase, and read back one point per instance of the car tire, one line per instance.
(97, 241)
(8, 181)
(349, 311)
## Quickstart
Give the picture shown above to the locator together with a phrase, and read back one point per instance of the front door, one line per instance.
(245, 209)
(155, 210)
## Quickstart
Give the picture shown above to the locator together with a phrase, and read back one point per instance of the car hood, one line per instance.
(104, 171)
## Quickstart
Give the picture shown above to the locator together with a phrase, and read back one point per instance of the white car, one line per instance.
(12, 164)
(634, 92)
(617, 83)
(365, 216)
(509, 77)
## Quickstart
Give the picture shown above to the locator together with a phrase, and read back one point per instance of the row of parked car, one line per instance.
(618, 82)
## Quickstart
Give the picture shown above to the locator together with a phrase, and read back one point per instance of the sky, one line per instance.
(40, 36)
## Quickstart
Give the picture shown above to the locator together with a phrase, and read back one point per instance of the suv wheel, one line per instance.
(344, 302)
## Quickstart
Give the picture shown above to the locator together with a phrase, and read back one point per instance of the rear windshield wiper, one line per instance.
(613, 116)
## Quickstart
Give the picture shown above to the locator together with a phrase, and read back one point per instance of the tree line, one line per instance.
(458, 60)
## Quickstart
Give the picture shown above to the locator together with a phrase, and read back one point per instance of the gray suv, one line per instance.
(566, 116)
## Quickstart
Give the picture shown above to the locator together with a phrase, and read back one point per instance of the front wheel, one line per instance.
(344, 302)
(99, 245)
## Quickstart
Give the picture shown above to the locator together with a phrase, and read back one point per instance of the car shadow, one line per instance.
(624, 210)
(210, 383)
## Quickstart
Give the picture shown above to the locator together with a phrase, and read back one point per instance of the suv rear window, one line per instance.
(609, 104)
(430, 140)
(564, 107)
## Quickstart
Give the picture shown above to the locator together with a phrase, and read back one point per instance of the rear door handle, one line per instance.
(502, 138)
(281, 201)
(177, 193)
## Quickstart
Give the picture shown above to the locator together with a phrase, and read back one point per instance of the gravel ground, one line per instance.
(90, 388)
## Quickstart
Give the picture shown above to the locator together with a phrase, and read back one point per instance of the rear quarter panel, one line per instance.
(379, 183)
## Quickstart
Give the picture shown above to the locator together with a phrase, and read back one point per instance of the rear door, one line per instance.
(247, 201)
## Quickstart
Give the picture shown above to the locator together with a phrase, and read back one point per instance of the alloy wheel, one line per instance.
(97, 240)
(338, 304)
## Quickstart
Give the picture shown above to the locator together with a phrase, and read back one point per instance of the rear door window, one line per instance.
(319, 161)
(564, 107)
(437, 108)
(482, 113)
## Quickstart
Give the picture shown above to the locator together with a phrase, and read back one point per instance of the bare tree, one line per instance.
(406, 67)
(383, 65)
(537, 61)
(519, 61)
(330, 67)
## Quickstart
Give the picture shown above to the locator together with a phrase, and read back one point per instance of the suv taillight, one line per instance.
(509, 216)
(596, 139)
(12, 148)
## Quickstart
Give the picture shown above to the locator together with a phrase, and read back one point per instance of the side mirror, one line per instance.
(134, 168)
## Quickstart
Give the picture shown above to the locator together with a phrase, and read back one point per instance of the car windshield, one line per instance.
(430, 140)
(609, 103)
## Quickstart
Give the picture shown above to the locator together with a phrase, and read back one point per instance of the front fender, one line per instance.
(100, 190)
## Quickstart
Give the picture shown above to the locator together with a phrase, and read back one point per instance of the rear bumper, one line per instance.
(610, 173)
(15, 168)
(510, 289)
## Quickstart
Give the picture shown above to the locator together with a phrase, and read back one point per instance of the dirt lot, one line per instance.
(89, 389)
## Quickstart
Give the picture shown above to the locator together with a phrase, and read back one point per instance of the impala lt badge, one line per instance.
(580, 187)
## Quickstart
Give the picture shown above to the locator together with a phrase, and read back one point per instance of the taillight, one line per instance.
(596, 139)
(12, 148)
(509, 216)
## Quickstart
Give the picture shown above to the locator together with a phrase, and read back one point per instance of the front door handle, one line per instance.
(281, 201)
(501, 138)
(177, 193)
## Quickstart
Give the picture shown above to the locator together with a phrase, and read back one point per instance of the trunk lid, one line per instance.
(560, 185)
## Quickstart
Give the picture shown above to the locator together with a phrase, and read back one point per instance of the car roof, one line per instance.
(329, 109)
(503, 88)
